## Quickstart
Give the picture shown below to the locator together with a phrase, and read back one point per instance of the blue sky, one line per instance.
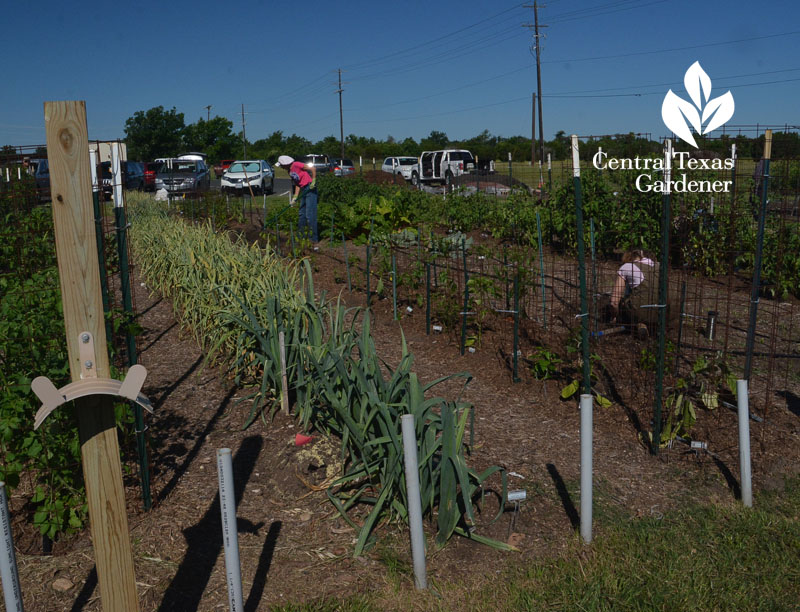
(408, 68)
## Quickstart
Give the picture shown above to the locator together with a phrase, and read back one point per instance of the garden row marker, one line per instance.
(230, 533)
(744, 442)
(414, 501)
(751, 329)
(662, 297)
(586, 467)
(127, 305)
(284, 384)
(67, 147)
(9, 577)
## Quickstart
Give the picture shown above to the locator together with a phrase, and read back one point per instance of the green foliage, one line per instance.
(544, 363)
(30, 313)
(702, 387)
(154, 133)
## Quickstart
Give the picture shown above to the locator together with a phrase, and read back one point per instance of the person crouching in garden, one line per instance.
(304, 192)
(635, 286)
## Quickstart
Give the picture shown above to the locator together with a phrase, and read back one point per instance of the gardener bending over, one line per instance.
(304, 178)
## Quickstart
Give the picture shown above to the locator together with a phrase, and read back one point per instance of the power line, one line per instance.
(716, 44)
(430, 42)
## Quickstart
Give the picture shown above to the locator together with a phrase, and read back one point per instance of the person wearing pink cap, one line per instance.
(304, 190)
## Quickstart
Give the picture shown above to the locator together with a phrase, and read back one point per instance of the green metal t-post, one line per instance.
(751, 328)
(130, 337)
(662, 298)
(584, 314)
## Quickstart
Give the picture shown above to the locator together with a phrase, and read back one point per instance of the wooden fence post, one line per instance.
(68, 152)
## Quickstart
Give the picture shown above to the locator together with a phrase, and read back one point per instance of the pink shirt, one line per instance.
(299, 175)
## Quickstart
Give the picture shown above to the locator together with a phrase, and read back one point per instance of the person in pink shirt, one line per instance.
(629, 280)
(304, 190)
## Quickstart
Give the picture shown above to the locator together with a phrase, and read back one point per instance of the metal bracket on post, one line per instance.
(89, 384)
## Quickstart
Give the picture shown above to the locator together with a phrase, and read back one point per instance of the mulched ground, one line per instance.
(293, 545)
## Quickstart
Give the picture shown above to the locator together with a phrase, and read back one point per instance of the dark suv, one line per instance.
(183, 175)
(132, 176)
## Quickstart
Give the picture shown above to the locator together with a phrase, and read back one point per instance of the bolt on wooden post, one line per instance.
(68, 152)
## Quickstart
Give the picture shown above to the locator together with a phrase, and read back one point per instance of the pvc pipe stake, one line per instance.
(586, 467)
(414, 501)
(742, 401)
(230, 536)
(12, 594)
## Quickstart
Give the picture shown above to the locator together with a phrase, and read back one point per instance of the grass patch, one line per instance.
(700, 558)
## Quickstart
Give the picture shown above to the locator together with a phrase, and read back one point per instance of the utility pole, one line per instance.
(538, 47)
(244, 137)
(341, 117)
(208, 108)
(533, 129)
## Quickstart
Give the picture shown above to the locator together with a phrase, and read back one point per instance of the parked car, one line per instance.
(132, 176)
(321, 162)
(342, 166)
(40, 169)
(403, 166)
(195, 156)
(442, 166)
(150, 169)
(222, 166)
(183, 175)
(243, 175)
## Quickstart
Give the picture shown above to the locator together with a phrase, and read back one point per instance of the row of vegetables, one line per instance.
(236, 298)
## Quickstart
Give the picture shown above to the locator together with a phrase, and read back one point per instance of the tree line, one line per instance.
(159, 132)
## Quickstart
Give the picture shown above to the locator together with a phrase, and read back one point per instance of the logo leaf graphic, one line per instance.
(694, 80)
(718, 111)
(673, 111)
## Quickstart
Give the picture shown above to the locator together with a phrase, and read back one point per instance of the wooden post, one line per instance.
(68, 152)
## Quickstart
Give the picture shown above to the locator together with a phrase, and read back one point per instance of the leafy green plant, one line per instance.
(544, 363)
(702, 387)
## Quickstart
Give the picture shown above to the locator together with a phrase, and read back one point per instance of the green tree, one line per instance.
(214, 137)
(435, 140)
(154, 133)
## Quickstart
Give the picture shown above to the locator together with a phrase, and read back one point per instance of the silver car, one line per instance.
(244, 175)
(342, 166)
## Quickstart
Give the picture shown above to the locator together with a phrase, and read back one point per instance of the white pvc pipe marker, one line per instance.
(586, 467)
(12, 594)
(414, 501)
(743, 404)
(230, 535)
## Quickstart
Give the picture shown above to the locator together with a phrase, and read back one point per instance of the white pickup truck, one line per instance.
(442, 166)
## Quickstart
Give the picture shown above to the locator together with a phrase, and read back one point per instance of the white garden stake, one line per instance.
(230, 536)
(414, 501)
(744, 442)
(586, 467)
(9, 577)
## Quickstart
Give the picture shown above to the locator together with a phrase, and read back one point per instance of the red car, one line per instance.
(150, 169)
(222, 166)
